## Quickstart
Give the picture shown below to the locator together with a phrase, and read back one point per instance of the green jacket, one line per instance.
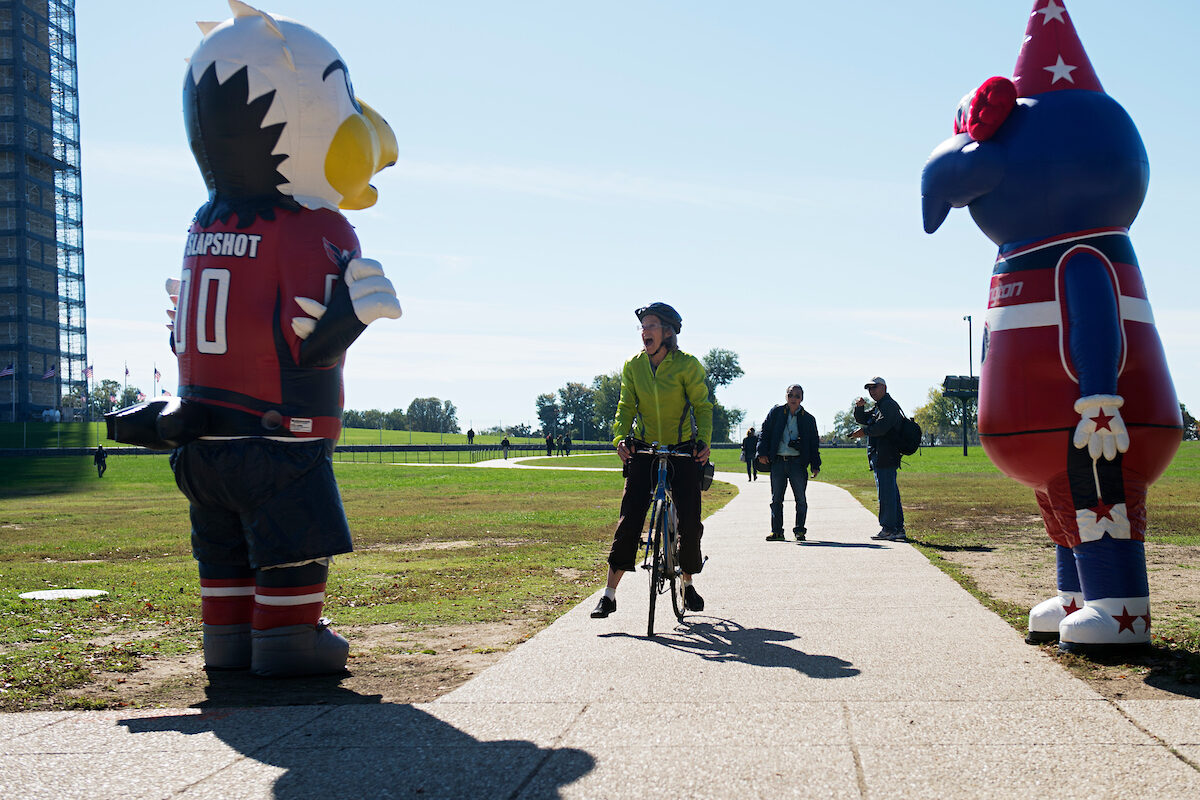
(667, 402)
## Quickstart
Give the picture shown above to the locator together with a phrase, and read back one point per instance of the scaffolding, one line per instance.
(43, 315)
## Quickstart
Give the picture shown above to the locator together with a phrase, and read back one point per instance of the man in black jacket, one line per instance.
(880, 425)
(789, 443)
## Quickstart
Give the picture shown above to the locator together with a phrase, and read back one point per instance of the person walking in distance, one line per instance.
(663, 399)
(750, 455)
(878, 425)
(789, 447)
(100, 459)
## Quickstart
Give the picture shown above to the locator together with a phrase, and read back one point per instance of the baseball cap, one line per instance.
(874, 381)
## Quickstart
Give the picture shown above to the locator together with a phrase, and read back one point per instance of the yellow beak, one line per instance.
(363, 145)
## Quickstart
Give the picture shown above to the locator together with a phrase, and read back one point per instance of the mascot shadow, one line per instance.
(362, 748)
(725, 640)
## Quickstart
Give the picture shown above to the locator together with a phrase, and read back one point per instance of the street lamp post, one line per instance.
(970, 352)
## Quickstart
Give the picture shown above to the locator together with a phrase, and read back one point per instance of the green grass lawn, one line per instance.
(433, 546)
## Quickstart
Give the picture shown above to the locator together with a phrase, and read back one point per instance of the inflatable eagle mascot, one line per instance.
(272, 292)
(1075, 398)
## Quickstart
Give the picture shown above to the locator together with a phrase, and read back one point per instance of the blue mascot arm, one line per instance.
(958, 171)
(1094, 324)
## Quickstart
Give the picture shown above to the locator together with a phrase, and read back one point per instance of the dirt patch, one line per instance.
(388, 663)
(1025, 575)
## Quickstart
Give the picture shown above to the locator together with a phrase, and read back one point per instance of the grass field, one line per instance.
(449, 545)
(434, 545)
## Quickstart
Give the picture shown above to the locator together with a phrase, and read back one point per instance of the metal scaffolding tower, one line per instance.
(43, 316)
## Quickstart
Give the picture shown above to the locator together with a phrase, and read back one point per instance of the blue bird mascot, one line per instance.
(1075, 400)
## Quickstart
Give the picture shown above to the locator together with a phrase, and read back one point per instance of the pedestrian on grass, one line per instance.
(549, 444)
(505, 444)
(662, 390)
(567, 444)
(878, 425)
(789, 445)
(100, 459)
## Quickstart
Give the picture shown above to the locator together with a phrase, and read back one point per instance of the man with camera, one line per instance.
(790, 445)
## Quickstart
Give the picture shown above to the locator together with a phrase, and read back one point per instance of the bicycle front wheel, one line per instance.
(674, 572)
(658, 567)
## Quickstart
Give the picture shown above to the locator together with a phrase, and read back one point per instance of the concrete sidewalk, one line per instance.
(841, 667)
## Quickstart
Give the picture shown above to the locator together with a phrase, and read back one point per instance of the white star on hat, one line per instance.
(1060, 70)
(1051, 11)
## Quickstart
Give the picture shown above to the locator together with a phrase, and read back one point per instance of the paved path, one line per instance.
(841, 667)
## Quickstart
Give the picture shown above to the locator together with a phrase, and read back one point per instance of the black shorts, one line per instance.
(260, 503)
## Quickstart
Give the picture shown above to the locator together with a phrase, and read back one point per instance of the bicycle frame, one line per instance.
(661, 544)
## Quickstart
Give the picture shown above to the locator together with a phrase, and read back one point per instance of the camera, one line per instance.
(794, 444)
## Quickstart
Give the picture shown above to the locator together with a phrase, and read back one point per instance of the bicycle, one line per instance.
(661, 545)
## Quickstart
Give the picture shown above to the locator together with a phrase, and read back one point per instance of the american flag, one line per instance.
(166, 393)
(126, 370)
(112, 398)
(87, 372)
(141, 397)
(48, 373)
(4, 373)
(157, 374)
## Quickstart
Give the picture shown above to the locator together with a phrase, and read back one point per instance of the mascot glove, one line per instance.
(1100, 426)
(372, 293)
(173, 293)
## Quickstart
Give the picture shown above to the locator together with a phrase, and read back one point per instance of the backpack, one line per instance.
(908, 436)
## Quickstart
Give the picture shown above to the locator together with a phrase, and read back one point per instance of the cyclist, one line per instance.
(663, 388)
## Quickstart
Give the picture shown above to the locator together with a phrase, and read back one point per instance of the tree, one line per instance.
(105, 396)
(606, 391)
(432, 415)
(577, 403)
(1190, 432)
(130, 395)
(548, 413)
(844, 425)
(721, 368)
(941, 417)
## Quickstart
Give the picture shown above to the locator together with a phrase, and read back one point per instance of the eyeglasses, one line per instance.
(649, 326)
(795, 397)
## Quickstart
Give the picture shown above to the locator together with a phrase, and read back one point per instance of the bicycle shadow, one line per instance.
(359, 747)
(726, 641)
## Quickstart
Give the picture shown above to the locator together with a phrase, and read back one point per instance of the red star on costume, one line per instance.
(1146, 617)
(1124, 620)
(1102, 421)
(1102, 510)
(1070, 609)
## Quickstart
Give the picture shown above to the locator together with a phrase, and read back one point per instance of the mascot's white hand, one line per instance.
(303, 326)
(173, 293)
(1100, 426)
(372, 293)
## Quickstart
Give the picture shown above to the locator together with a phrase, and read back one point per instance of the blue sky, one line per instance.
(755, 164)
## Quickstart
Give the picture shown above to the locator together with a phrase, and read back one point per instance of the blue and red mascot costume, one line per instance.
(1075, 398)
(272, 292)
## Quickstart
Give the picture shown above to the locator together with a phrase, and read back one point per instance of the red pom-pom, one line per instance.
(990, 105)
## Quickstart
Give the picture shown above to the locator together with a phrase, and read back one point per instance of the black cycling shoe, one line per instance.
(692, 600)
(605, 607)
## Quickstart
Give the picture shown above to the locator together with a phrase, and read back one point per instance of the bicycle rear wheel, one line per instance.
(658, 568)
(674, 572)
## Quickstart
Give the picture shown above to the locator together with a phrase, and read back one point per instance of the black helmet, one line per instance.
(668, 315)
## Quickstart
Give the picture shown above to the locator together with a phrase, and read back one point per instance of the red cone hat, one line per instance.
(1052, 57)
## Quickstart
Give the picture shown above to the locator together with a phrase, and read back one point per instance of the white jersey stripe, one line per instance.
(289, 600)
(1047, 315)
(225, 591)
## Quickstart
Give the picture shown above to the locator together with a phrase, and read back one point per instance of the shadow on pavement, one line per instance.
(819, 543)
(724, 640)
(361, 748)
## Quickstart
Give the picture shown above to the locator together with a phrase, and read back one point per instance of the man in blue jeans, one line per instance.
(880, 424)
(790, 444)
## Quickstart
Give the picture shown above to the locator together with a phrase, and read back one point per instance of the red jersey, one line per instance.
(238, 354)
